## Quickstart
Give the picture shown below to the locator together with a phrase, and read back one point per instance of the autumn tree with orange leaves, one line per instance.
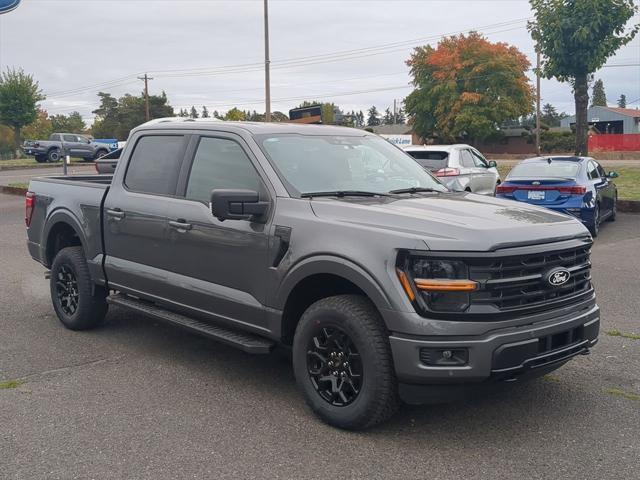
(467, 87)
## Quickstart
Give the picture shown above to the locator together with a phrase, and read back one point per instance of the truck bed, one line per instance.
(76, 200)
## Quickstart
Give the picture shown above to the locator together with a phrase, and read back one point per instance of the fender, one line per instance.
(62, 216)
(339, 266)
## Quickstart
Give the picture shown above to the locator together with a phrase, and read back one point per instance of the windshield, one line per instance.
(431, 159)
(545, 170)
(334, 163)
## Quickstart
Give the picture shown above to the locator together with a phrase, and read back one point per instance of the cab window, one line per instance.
(220, 163)
(155, 164)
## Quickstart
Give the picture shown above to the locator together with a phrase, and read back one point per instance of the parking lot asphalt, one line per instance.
(137, 399)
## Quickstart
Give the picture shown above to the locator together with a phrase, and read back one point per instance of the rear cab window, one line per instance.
(155, 164)
(431, 159)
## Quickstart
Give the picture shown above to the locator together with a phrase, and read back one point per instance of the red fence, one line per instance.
(628, 142)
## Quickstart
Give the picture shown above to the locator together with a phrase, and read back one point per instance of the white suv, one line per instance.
(460, 167)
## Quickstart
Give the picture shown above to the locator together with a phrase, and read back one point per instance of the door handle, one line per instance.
(116, 213)
(180, 224)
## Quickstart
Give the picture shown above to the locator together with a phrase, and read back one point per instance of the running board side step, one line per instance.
(246, 342)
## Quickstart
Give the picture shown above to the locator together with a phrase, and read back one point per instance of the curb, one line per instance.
(625, 206)
(13, 190)
(39, 165)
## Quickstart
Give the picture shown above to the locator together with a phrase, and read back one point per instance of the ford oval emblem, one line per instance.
(8, 5)
(558, 277)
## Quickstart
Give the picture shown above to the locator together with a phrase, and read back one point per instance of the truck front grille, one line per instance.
(516, 282)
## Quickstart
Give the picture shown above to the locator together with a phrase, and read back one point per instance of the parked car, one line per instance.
(577, 186)
(325, 240)
(460, 167)
(107, 163)
(61, 144)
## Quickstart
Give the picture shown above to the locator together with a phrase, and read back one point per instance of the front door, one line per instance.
(135, 216)
(220, 266)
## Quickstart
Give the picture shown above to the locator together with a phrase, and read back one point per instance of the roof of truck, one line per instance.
(255, 128)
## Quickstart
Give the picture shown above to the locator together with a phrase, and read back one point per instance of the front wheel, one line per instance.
(614, 210)
(79, 304)
(99, 153)
(342, 363)
(41, 158)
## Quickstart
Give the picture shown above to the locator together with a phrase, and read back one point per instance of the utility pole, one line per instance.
(146, 79)
(267, 79)
(395, 115)
(537, 101)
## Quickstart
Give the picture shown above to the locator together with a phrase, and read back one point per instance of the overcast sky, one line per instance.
(209, 52)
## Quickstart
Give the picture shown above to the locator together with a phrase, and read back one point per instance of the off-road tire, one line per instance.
(90, 305)
(98, 154)
(358, 318)
(41, 158)
(54, 155)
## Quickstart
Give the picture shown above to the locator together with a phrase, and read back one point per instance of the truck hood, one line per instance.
(453, 221)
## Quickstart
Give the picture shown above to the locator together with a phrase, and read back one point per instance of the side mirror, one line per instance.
(237, 205)
(612, 175)
(493, 164)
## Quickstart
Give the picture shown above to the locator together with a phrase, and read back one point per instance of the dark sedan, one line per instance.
(577, 186)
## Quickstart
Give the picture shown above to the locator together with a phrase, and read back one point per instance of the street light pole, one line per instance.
(267, 79)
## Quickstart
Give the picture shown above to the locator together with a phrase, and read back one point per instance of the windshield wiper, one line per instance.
(415, 190)
(344, 193)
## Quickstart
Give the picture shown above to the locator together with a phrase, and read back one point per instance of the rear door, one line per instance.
(488, 175)
(602, 185)
(135, 215)
(71, 146)
(220, 267)
(471, 171)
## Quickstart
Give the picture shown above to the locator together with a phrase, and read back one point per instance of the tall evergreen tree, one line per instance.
(388, 118)
(598, 96)
(400, 117)
(205, 112)
(622, 101)
(374, 117)
(194, 112)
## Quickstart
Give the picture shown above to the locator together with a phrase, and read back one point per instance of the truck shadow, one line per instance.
(500, 417)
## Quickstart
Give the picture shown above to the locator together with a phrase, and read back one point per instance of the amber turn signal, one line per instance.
(445, 285)
(404, 281)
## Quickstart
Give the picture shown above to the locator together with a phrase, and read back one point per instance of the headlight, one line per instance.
(439, 285)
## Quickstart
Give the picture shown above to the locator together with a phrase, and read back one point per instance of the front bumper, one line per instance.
(503, 354)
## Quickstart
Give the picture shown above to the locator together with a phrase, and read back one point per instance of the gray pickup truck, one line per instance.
(61, 144)
(327, 241)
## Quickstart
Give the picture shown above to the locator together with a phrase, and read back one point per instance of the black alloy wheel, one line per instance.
(67, 290)
(334, 366)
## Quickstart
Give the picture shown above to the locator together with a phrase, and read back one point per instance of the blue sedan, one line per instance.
(577, 186)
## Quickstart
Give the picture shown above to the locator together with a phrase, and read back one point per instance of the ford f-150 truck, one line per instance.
(61, 144)
(328, 240)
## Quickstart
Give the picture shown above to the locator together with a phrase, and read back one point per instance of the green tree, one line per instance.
(400, 117)
(374, 117)
(19, 97)
(194, 112)
(467, 87)
(72, 123)
(388, 118)
(598, 96)
(40, 129)
(217, 115)
(205, 112)
(235, 115)
(622, 101)
(550, 116)
(576, 37)
(279, 117)
(116, 118)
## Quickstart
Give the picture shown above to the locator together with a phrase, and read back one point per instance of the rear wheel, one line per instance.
(342, 363)
(98, 154)
(41, 158)
(79, 304)
(54, 155)
(595, 227)
(614, 210)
